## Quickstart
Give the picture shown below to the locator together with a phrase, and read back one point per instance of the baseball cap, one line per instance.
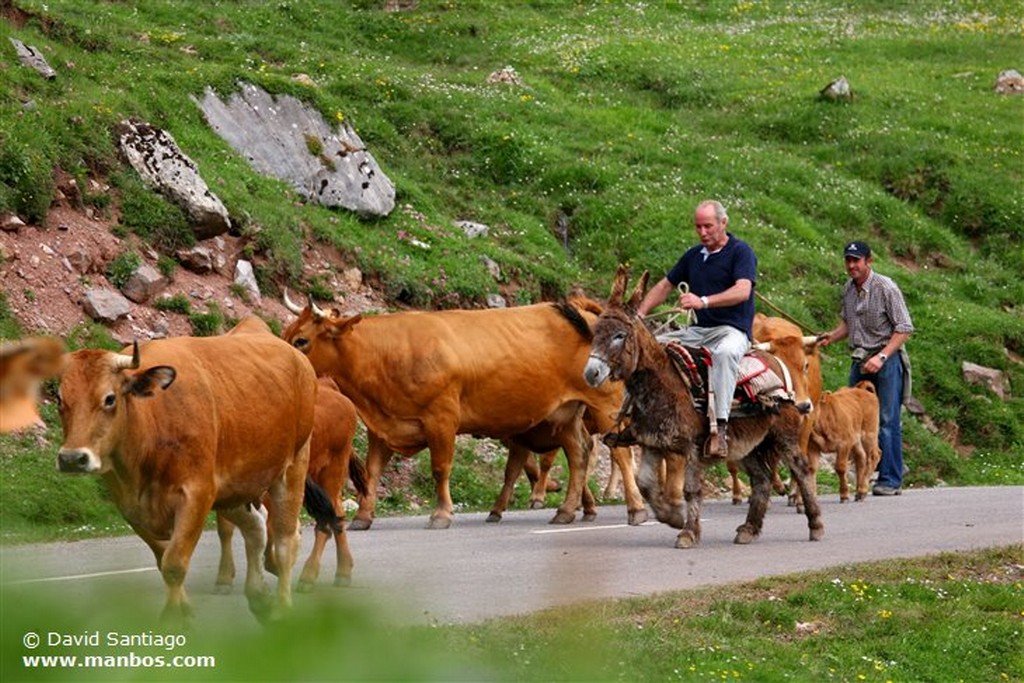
(857, 250)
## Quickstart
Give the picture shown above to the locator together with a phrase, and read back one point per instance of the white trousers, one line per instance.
(727, 346)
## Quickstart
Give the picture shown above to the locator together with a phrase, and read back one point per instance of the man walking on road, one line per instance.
(875, 318)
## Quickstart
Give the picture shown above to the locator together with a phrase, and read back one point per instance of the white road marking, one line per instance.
(74, 577)
(589, 528)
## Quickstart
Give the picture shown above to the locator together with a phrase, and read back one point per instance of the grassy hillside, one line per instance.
(627, 115)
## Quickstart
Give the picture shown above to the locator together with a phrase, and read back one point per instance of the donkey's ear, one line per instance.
(638, 292)
(618, 286)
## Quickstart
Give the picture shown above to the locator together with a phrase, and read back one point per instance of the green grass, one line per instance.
(948, 617)
(627, 116)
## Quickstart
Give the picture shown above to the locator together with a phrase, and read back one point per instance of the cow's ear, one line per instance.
(338, 326)
(145, 383)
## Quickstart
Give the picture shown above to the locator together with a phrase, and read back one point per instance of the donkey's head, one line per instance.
(618, 334)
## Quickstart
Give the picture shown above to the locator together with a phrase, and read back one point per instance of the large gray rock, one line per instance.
(155, 156)
(31, 57)
(105, 305)
(145, 283)
(283, 138)
(245, 278)
(991, 378)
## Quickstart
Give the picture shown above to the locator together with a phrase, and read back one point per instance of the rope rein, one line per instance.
(674, 314)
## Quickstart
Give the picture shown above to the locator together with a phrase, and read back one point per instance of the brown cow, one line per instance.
(23, 365)
(419, 378)
(332, 462)
(803, 360)
(187, 425)
(847, 421)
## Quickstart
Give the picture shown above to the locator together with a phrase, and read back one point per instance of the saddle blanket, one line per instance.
(756, 384)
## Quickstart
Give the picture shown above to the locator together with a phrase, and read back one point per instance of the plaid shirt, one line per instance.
(874, 312)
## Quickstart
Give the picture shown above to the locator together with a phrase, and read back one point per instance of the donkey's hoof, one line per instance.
(686, 540)
(744, 535)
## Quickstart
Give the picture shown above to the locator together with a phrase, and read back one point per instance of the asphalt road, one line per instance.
(475, 571)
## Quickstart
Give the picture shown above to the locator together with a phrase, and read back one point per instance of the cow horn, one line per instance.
(123, 362)
(762, 346)
(810, 339)
(291, 305)
(317, 311)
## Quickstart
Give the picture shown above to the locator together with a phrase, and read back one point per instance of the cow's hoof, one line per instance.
(817, 534)
(222, 589)
(860, 497)
(536, 504)
(744, 536)
(493, 518)
(262, 606)
(685, 540)
(359, 524)
(737, 501)
(178, 617)
(844, 499)
(800, 509)
(589, 516)
(304, 587)
(553, 486)
(342, 581)
(562, 517)
(637, 517)
(439, 523)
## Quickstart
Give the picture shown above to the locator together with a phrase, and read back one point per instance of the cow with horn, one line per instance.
(419, 378)
(188, 425)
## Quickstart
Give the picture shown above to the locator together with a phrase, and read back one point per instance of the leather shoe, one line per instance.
(886, 490)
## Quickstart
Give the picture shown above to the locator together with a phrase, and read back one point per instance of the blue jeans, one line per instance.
(889, 387)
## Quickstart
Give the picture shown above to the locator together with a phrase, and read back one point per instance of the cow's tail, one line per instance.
(866, 385)
(318, 505)
(357, 473)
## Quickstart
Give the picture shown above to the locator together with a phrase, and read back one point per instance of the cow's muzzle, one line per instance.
(77, 461)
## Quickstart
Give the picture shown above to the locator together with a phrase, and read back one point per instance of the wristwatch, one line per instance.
(704, 300)
(883, 357)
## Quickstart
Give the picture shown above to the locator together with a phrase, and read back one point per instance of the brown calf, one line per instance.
(847, 421)
(332, 462)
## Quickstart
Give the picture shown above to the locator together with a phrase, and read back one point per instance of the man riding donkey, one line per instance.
(720, 273)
